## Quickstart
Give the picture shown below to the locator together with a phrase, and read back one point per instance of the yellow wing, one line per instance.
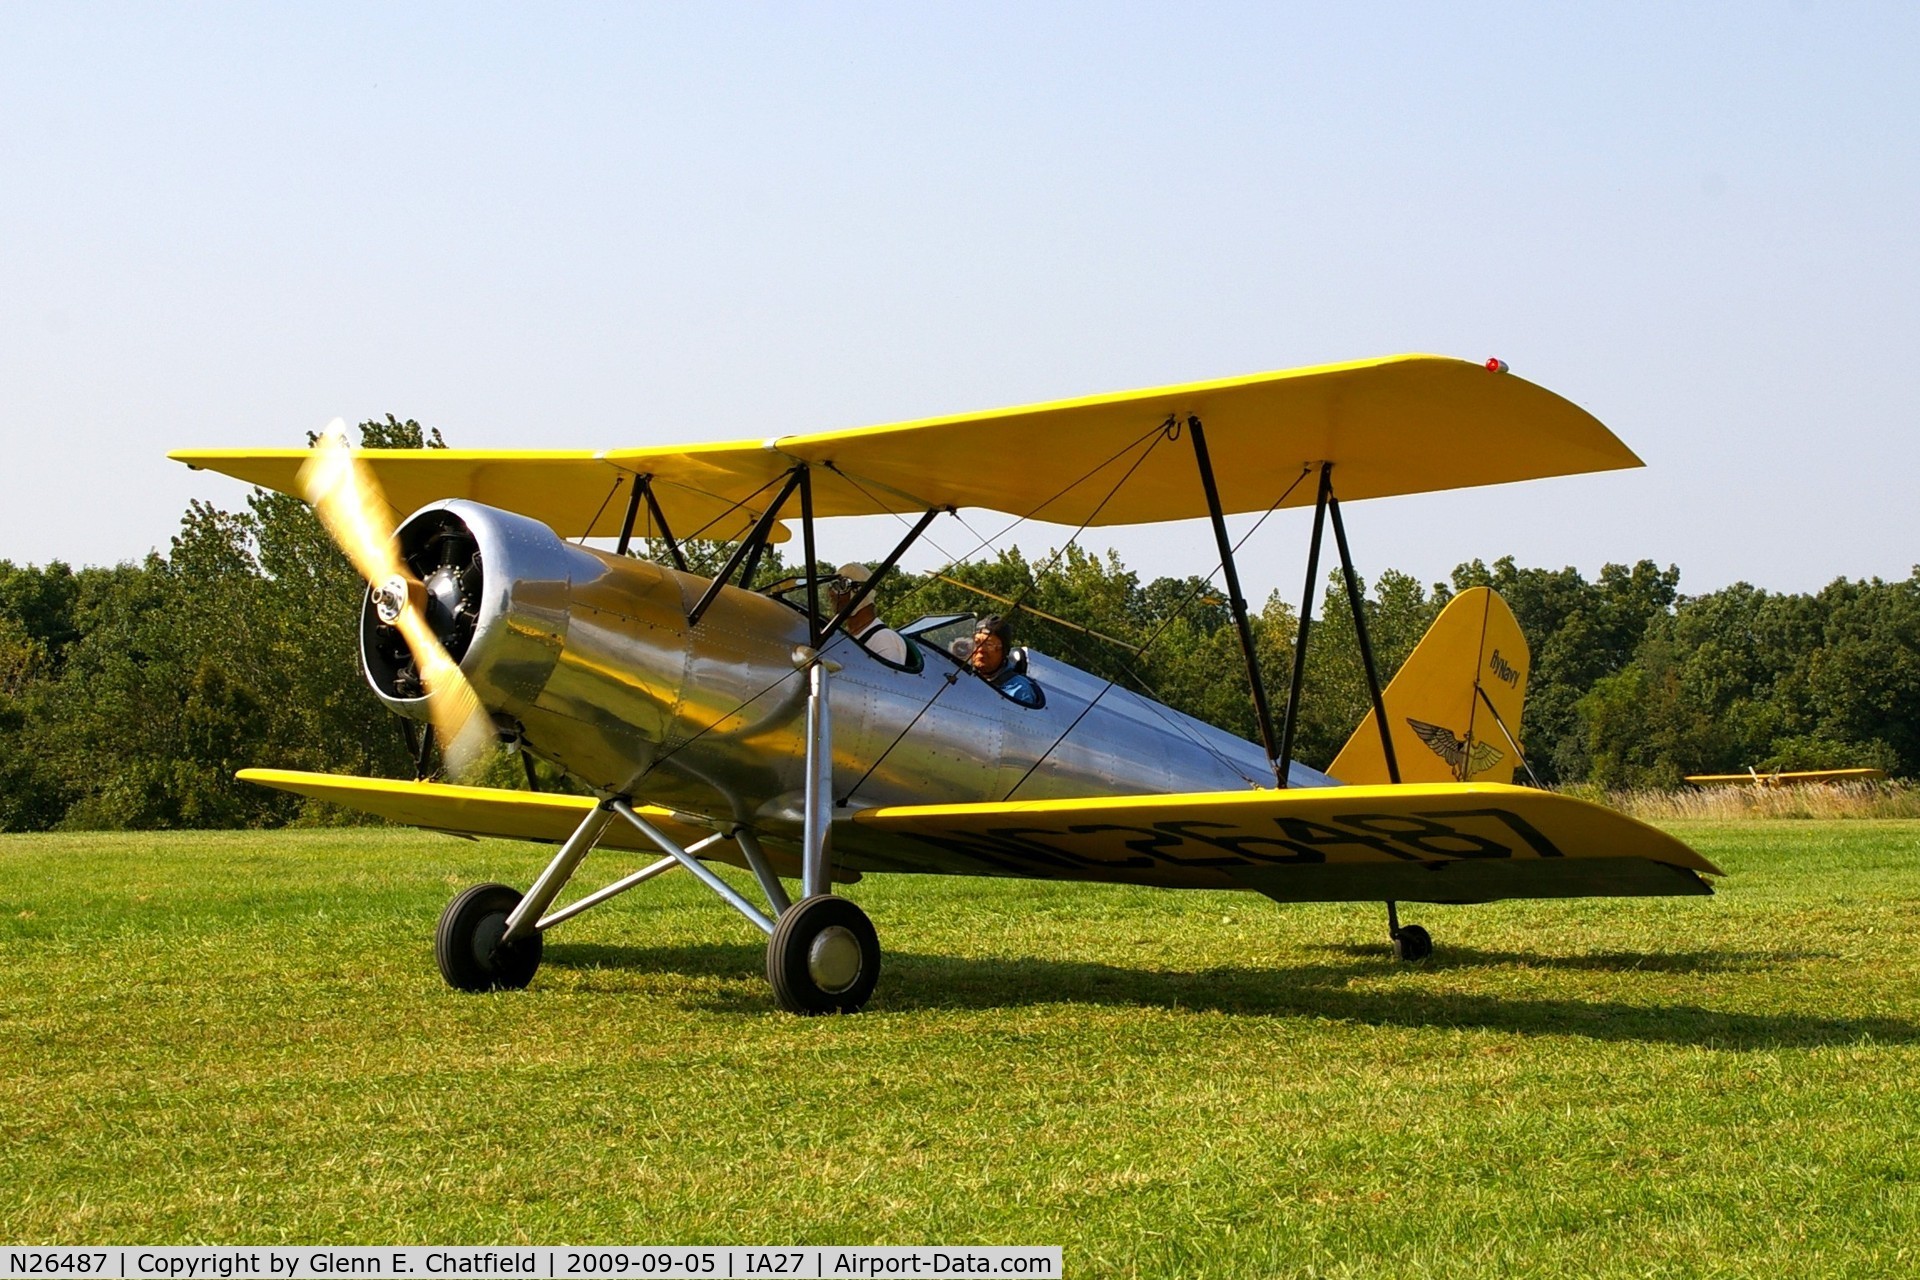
(1400, 424)
(1421, 842)
(489, 811)
(575, 492)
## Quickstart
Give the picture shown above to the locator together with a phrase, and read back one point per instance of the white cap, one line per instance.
(854, 571)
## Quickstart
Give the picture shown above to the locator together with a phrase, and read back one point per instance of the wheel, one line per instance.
(467, 944)
(824, 956)
(1412, 942)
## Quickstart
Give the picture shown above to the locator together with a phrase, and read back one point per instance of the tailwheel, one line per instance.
(1411, 942)
(467, 944)
(824, 956)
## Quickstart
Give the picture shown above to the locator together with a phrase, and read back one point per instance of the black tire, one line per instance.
(1412, 943)
(833, 979)
(467, 944)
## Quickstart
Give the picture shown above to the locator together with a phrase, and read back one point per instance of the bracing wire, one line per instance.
(947, 682)
(738, 503)
(618, 481)
(1158, 433)
(1162, 431)
(724, 717)
(1178, 612)
(1168, 430)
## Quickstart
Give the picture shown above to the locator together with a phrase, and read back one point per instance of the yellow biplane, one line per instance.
(716, 720)
(1787, 778)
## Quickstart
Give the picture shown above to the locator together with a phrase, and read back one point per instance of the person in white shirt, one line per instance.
(879, 639)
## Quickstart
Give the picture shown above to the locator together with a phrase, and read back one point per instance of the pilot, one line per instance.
(879, 639)
(992, 642)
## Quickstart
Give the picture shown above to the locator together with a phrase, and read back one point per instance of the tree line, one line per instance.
(130, 695)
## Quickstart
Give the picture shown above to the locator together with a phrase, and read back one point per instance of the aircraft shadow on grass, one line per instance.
(1322, 990)
(1459, 957)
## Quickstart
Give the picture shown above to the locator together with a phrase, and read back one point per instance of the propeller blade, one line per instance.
(343, 493)
(451, 702)
(348, 499)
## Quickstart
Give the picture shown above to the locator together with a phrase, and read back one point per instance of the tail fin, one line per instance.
(1452, 706)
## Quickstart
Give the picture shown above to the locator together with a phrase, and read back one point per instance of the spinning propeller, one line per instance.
(344, 493)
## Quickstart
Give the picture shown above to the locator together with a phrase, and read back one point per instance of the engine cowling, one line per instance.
(497, 588)
(588, 658)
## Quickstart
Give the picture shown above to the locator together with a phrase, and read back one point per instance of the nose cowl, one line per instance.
(493, 587)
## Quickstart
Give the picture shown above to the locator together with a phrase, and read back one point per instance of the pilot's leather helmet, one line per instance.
(850, 577)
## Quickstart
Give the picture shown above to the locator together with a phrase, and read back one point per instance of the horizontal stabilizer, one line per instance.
(1421, 842)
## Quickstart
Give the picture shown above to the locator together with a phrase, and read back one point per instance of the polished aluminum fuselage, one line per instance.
(589, 659)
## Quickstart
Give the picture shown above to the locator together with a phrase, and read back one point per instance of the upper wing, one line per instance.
(705, 491)
(489, 811)
(1400, 424)
(1422, 842)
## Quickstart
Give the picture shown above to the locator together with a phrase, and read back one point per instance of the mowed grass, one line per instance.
(241, 1037)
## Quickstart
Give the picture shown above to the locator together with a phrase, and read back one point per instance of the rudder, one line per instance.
(1444, 729)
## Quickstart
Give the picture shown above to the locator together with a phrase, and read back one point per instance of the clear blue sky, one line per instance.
(617, 225)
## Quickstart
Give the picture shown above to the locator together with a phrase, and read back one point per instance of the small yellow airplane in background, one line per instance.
(717, 719)
(1791, 778)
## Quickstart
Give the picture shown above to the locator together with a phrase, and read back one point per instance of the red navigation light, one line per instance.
(1496, 365)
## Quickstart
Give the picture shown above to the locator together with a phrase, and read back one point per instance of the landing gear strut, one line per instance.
(1410, 941)
(823, 955)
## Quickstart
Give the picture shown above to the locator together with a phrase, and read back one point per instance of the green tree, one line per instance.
(1865, 684)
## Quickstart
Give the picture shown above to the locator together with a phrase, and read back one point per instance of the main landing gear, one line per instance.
(1410, 941)
(823, 955)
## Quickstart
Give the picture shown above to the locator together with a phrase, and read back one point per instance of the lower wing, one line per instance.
(1434, 842)
(489, 811)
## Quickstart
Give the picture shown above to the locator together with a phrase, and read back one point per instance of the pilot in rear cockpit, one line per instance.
(879, 639)
(992, 645)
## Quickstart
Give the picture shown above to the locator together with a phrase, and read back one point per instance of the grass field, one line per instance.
(241, 1037)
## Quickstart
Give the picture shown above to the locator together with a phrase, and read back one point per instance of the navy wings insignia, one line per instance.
(1454, 750)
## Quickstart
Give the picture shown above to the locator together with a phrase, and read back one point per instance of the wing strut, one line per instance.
(656, 519)
(750, 546)
(660, 523)
(1276, 756)
(1366, 645)
(812, 571)
(839, 620)
(1410, 942)
(1292, 721)
(633, 512)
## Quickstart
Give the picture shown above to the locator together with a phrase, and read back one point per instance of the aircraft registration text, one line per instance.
(1433, 835)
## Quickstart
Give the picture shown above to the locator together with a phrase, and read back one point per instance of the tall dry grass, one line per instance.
(1834, 800)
